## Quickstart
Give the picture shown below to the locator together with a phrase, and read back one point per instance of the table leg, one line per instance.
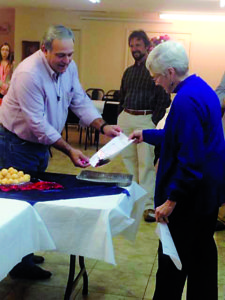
(72, 282)
(85, 276)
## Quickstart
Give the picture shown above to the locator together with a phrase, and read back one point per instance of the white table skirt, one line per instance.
(99, 104)
(22, 232)
(86, 226)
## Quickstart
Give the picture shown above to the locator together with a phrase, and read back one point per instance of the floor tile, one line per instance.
(117, 282)
(100, 296)
(36, 293)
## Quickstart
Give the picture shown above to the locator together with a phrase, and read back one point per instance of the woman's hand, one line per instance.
(137, 136)
(163, 211)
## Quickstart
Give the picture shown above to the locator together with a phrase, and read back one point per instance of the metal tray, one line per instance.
(117, 178)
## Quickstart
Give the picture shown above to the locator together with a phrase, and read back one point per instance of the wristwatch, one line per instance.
(102, 128)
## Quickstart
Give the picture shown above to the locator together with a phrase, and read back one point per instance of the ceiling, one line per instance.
(124, 6)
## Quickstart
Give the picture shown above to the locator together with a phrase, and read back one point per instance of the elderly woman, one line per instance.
(190, 178)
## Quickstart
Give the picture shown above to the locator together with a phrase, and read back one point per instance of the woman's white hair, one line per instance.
(169, 54)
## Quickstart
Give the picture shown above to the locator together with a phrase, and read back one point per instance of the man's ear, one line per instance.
(43, 48)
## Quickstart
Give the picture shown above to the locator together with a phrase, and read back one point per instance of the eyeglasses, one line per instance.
(156, 76)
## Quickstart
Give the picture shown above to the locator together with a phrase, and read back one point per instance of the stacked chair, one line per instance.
(110, 111)
(112, 95)
(72, 119)
(110, 114)
(95, 93)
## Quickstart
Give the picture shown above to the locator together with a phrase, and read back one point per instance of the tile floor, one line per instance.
(132, 279)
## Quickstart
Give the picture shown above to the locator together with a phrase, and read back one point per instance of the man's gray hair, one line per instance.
(56, 32)
(169, 54)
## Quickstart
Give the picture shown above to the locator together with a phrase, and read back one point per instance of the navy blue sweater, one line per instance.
(192, 157)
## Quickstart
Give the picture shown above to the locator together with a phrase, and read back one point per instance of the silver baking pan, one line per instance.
(117, 178)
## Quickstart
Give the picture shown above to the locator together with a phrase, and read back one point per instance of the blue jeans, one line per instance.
(21, 154)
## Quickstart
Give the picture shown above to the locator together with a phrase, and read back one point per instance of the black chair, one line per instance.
(95, 93)
(72, 119)
(90, 132)
(110, 112)
(113, 95)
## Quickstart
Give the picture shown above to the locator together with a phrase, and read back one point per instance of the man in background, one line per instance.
(142, 106)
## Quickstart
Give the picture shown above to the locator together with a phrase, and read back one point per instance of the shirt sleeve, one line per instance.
(122, 96)
(5, 83)
(187, 135)
(31, 100)
(162, 102)
(220, 91)
(153, 136)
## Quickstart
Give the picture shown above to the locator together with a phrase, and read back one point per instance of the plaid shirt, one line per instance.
(139, 92)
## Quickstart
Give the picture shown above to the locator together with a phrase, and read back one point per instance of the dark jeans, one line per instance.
(193, 238)
(20, 154)
(25, 156)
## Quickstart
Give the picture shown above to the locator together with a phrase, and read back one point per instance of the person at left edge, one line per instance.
(6, 68)
(34, 112)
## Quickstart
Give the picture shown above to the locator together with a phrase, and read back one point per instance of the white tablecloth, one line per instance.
(86, 226)
(99, 104)
(21, 232)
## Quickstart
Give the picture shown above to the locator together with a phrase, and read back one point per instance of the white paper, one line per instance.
(168, 246)
(111, 149)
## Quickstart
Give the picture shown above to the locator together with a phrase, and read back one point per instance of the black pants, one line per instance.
(193, 238)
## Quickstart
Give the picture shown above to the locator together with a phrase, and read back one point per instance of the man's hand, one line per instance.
(137, 136)
(78, 158)
(112, 130)
(109, 130)
(163, 211)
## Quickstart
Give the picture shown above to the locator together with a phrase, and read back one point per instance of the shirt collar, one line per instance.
(137, 64)
(52, 73)
(182, 83)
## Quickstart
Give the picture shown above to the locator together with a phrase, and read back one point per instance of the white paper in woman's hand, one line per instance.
(111, 149)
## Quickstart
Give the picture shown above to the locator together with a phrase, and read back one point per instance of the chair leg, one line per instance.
(66, 127)
(91, 132)
(86, 138)
(50, 151)
(96, 142)
(81, 131)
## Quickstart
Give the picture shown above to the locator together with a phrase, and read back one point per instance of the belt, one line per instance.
(41, 147)
(138, 112)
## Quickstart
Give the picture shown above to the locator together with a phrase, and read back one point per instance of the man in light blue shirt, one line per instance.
(34, 112)
(42, 89)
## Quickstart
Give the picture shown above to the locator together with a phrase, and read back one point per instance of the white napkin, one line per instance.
(169, 248)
